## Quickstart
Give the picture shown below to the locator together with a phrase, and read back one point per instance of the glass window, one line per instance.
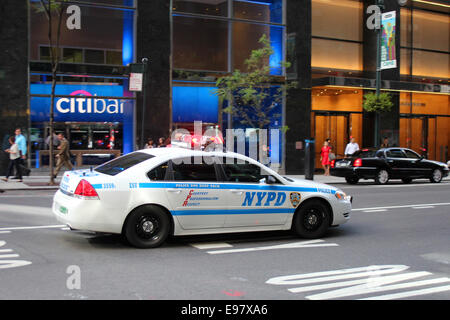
(114, 57)
(395, 153)
(207, 7)
(123, 163)
(243, 172)
(259, 10)
(158, 173)
(44, 53)
(72, 55)
(246, 38)
(190, 171)
(431, 64)
(411, 154)
(94, 56)
(200, 44)
(333, 54)
(337, 19)
(101, 29)
(427, 24)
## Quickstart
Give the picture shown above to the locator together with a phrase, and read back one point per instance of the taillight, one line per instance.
(333, 163)
(85, 190)
(357, 162)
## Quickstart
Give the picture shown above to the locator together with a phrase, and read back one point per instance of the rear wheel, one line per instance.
(352, 180)
(436, 176)
(311, 220)
(382, 177)
(147, 227)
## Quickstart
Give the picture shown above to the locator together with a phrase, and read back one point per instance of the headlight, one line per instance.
(340, 195)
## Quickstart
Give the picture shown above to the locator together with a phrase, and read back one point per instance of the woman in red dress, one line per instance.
(324, 158)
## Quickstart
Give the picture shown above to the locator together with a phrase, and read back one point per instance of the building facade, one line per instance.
(189, 44)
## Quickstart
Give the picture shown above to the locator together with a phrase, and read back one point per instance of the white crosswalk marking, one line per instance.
(365, 281)
(211, 245)
(6, 264)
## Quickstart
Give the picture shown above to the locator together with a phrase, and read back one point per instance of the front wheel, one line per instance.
(382, 177)
(147, 227)
(311, 220)
(436, 176)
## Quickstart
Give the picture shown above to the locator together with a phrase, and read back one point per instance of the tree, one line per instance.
(53, 11)
(250, 95)
(377, 103)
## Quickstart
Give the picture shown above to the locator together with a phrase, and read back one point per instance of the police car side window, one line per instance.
(235, 171)
(191, 171)
(158, 173)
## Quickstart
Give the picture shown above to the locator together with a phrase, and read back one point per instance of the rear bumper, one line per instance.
(359, 172)
(87, 215)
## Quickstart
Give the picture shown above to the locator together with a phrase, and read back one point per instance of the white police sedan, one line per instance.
(150, 194)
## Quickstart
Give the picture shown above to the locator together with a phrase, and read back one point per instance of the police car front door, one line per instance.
(195, 195)
(252, 202)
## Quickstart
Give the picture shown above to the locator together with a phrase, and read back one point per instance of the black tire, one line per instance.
(382, 176)
(436, 176)
(312, 219)
(147, 227)
(407, 180)
(352, 180)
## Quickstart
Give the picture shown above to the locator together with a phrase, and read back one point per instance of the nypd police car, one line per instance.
(150, 194)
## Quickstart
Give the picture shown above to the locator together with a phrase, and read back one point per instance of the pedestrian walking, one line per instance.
(324, 157)
(63, 156)
(21, 142)
(55, 140)
(332, 155)
(351, 147)
(14, 157)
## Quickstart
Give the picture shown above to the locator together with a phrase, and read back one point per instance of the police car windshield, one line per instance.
(121, 164)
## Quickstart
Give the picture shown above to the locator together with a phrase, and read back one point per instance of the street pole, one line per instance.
(144, 99)
(380, 4)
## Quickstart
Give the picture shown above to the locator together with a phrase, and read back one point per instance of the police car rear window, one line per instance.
(123, 163)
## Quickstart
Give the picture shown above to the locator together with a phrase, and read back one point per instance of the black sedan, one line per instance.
(388, 163)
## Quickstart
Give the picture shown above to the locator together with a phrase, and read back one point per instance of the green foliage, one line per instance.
(248, 93)
(374, 103)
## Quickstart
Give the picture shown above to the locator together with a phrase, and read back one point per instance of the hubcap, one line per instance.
(313, 219)
(437, 175)
(383, 176)
(147, 227)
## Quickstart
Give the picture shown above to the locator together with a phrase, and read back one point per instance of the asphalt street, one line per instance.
(395, 246)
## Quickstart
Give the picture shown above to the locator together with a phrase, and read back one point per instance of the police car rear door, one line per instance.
(252, 201)
(194, 193)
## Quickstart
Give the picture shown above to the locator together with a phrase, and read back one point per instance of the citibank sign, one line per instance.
(80, 103)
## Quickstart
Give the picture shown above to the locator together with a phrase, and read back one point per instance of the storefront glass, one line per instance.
(95, 111)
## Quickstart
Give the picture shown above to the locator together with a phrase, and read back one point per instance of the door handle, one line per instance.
(174, 190)
(237, 191)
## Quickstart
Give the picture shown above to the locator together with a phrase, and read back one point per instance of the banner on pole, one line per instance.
(388, 29)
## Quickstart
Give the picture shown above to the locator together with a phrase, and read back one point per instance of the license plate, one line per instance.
(63, 209)
(341, 164)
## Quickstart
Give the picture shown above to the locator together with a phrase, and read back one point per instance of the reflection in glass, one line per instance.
(200, 44)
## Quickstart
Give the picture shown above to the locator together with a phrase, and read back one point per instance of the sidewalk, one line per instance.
(39, 179)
